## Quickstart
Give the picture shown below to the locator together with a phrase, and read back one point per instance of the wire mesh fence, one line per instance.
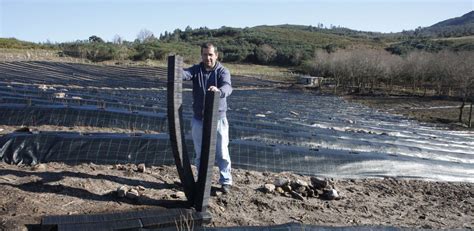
(271, 129)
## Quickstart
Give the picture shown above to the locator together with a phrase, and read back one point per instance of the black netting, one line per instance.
(271, 129)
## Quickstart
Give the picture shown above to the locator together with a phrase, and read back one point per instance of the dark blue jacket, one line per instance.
(202, 80)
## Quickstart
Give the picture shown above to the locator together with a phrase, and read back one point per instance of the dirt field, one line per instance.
(28, 193)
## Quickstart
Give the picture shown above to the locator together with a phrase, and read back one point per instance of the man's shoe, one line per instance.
(226, 188)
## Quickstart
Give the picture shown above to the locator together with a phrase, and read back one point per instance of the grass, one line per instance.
(467, 38)
(273, 72)
(260, 71)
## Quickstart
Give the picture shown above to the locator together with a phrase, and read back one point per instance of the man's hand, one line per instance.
(213, 88)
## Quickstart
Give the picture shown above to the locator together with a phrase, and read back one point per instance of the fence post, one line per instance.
(176, 130)
(208, 151)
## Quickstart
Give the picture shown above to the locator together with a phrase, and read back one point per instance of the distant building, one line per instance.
(310, 81)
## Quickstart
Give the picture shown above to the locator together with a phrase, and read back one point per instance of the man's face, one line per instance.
(209, 57)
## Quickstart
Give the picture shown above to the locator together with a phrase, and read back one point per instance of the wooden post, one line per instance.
(208, 151)
(176, 130)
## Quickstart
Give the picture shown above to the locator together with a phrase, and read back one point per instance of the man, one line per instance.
(210, 75)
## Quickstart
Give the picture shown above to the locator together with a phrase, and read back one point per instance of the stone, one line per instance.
(296, 195)
(141, 188)
(280, 182)
(132, 194)
(319, 183)
(287, 188)
(141, 168)
(43, 87)
(280, 190)
(330, 194)
(269, 188)
(300, 189)
(119, 167)
(301, 183)
(178, 195)
(60, 95)
(122, 191)
(39, 167)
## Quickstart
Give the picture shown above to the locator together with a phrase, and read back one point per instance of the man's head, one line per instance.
(209, 55)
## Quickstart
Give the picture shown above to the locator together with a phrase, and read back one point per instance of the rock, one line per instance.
(60, 95)
(43, 87)
(287, 188)
(301, 190)
(141, 188)
(141, 168)
(178, 195)
(296, 195)
(260, 115)
(119, 167)
(280, 182)
(39, 167)
(122, 191)
(280, 190)
(330, 194)
(319, 183)
(301, 183)
(269, 188)
(132, 194)
(311, 193)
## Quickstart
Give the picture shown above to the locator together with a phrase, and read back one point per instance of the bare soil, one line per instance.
(31, 192)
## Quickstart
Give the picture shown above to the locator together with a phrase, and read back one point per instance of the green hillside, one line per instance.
(285, 45)
(280, 45)
(12, 43)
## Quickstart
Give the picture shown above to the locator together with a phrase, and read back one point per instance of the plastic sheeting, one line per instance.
(29, 148)
(75, 148)
(69, 116)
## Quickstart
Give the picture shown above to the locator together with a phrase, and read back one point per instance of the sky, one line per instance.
(71, 20)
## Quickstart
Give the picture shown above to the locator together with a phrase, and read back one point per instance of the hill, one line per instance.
(286, 45)
(455, 34)
(13, 43)
(281, 45)
(458, 21)
(454, 27)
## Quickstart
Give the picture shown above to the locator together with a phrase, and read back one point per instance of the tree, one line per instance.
(118, 39)
(463, 78)
(95, 39)
(146, 36)
(265, 54)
